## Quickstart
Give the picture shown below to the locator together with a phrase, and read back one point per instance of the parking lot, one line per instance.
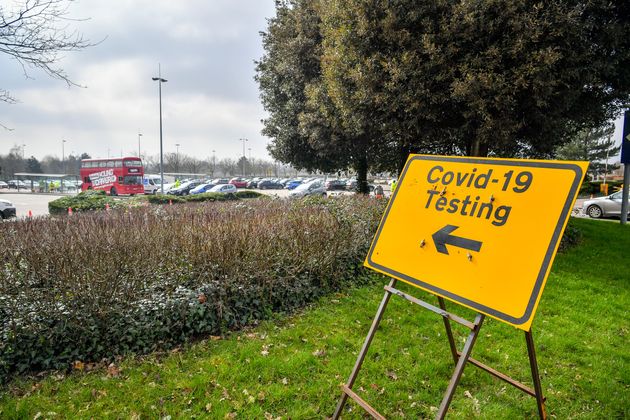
(38, 203)
(27, 201)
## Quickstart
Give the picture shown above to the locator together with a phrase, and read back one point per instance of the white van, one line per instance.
(151, 184)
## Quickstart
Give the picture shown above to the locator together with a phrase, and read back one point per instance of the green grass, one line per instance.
(293, 366)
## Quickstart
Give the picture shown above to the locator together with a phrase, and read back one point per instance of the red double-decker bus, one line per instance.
(115, 175)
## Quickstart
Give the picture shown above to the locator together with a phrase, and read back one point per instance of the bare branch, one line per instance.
(35, 33)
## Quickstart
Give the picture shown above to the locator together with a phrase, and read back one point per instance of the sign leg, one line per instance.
(535, 375)
(364, 349)
(459, 367)
(449, 331)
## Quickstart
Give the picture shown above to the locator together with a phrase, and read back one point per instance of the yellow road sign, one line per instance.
(478, 231)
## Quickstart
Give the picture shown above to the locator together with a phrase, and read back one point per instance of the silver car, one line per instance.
(604, 206)
(316, 187)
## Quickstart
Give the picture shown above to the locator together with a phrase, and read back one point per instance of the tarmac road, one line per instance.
(25, 201)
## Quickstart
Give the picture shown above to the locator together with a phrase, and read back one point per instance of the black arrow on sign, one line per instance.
(443, 237)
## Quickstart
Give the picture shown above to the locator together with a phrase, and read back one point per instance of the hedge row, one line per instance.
(98, 200)
(104, 284)
(593, 187)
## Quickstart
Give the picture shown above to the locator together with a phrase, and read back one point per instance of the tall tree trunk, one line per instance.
(478, 148)
(402, 158)
(361, 167)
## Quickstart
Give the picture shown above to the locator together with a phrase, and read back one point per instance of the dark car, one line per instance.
(335, 184)
(7, 209)
(185, 188)
(269, 184)
(253, 183)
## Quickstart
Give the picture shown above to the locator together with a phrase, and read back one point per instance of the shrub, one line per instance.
(593, 187)
(86, 200)
(571, 237)
(250, 194)
(165, 199)
(109, 283)
(209, 196)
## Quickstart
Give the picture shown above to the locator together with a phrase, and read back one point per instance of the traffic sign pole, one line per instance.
(625, 159)
(624, 194)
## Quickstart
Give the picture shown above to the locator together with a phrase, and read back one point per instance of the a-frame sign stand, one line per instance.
(459, 357)
(457, 227)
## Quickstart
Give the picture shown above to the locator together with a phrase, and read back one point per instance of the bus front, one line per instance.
(132, 174)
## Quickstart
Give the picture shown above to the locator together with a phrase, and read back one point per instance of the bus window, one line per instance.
(133, 180)
(133, 163)
(102, 164)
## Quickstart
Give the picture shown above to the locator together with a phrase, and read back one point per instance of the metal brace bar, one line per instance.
(364, 349)
(459, 368)
(502, 376)
(362, 403)
(432, 308)
(449, 331)
(531, 352)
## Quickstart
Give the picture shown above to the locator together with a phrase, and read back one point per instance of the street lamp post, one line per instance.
(63, 156)
(160, 80)
(214, 162)
(243, 140)
(139, 135)
(177, 157)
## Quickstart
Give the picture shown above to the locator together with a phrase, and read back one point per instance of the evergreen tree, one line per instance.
(33, 165)
(593, 145)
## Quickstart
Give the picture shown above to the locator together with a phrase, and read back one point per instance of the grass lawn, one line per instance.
(293, 366)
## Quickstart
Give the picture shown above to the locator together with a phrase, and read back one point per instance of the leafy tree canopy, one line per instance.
(382, 78)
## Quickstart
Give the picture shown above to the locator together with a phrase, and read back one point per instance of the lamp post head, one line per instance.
(155, 79)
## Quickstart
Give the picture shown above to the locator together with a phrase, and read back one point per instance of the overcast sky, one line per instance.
(206, 49)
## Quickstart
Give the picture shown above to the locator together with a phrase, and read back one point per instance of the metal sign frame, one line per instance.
(459, 357)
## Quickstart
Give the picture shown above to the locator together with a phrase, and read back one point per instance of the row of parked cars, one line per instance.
(313, 186)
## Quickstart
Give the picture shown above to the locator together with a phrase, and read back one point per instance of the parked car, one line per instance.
(7, 209)
(253, 183)
(14, 183)
(608, 206)
(269, 184)
(3, 185)
(291, 185)
(200, 189)
(217, 181)
(185, 188)
(150, 186)
(310, 188)
(335, 184)
(223, 188)
(238, 182)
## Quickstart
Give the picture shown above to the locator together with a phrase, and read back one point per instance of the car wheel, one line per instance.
(594, 212)
(113, 191)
